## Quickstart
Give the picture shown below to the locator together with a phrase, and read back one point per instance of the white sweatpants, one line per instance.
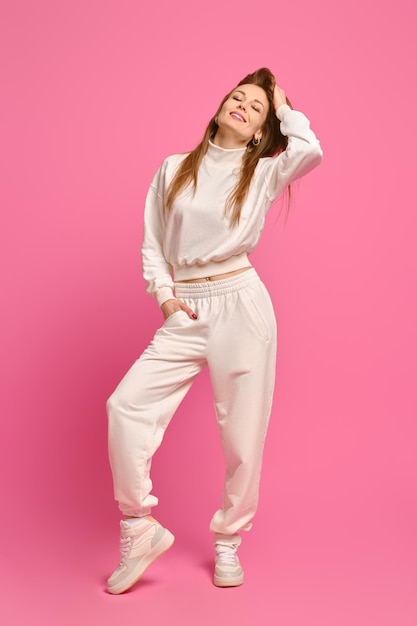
(235, 335)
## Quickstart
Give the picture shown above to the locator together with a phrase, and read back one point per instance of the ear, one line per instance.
(258, 134)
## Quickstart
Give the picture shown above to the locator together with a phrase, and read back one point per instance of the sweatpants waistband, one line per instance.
(212, 288)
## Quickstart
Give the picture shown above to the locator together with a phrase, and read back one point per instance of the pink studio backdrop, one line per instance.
(95, 95)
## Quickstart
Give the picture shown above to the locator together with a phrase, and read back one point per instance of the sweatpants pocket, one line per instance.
(253, 299)
(173, 317)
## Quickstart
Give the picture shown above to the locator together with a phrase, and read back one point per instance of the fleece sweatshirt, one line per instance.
(195, 239)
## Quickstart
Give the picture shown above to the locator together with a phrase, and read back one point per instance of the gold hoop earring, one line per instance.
(216, 120)
(256, 141)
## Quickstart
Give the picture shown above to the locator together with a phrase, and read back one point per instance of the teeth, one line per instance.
(238, 117)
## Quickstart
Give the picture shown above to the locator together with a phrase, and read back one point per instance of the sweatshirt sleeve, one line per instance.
(156, 269)
(302, 154)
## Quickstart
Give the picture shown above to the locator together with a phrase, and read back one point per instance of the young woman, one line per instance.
(204, 214)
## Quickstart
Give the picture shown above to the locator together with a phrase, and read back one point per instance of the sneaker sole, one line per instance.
(228, 582)
(161, 547)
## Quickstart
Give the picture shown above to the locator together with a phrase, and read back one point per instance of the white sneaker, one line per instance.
(141, 543)
(228, 571)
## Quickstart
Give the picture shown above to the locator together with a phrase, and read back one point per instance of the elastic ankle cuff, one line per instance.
(227, 539)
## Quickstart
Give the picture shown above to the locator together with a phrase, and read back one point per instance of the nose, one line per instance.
(241, 106)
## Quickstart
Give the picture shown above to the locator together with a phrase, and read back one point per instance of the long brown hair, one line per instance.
(273, 142)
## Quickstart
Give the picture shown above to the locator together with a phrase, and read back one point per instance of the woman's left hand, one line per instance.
(171, 306)
(279, 97)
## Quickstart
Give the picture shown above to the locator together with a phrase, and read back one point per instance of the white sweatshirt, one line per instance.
(195, 239)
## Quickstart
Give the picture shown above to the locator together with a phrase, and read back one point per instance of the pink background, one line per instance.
(95, 94)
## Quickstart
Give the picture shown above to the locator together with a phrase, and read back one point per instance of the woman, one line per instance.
(204, 214)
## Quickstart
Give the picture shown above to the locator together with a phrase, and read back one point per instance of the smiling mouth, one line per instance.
(237, 116)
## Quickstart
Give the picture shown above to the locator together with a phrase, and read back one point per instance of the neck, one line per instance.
(228, 141)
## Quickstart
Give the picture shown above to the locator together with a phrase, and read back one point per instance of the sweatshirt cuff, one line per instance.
(282, 110)
(163, 294)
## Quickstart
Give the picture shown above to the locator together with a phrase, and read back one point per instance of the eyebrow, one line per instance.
(254, 100)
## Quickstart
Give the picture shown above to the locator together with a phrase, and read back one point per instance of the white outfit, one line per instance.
(234, 334)
(194, 239)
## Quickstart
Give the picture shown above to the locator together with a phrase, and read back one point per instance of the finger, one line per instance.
(189, 311)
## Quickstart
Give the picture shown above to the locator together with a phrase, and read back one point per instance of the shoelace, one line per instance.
(124, 550)
(226, 555)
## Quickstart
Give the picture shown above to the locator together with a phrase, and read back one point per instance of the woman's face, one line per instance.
(243, 114)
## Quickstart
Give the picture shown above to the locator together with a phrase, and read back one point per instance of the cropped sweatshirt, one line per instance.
(195, 239)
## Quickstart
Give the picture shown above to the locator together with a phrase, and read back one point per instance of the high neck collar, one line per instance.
(223, 157)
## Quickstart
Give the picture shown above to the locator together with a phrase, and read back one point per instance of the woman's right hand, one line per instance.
(279, 97)
(171, 306)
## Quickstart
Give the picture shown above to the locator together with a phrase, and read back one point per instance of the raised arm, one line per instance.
(303, 151)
